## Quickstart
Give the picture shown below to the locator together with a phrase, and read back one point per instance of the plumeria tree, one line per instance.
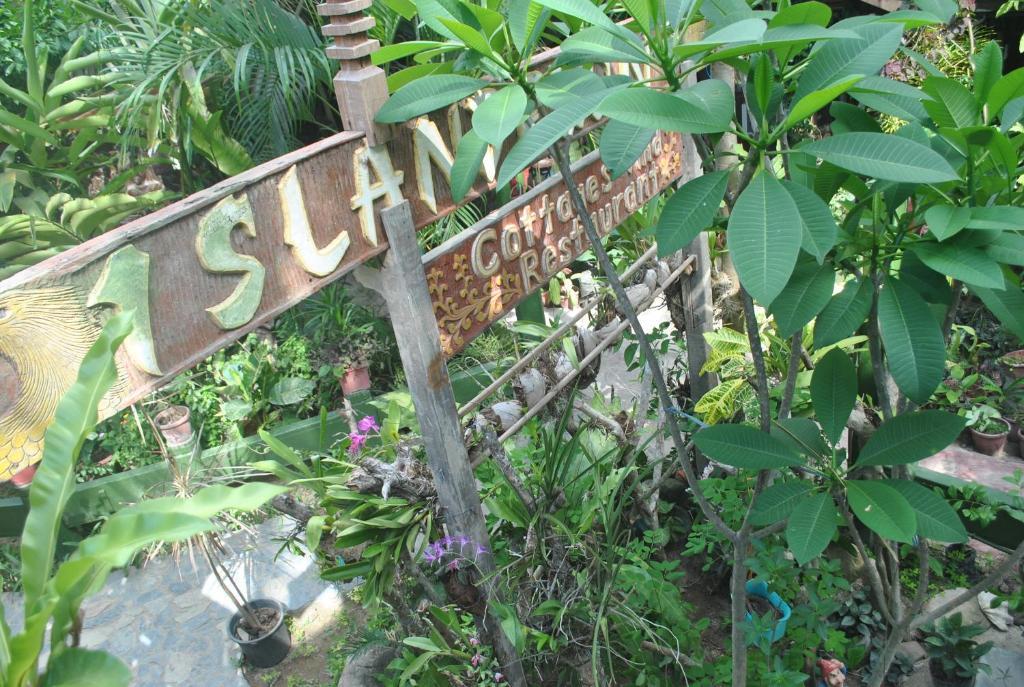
(835, 232)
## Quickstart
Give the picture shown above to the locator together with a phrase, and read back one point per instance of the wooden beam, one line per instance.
(696, 297)
(419, 344)
(360, 86)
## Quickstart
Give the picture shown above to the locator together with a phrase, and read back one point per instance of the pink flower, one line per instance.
(474, 641)
(498, 677)
(358, 440)
(476, 660)
(453, 564)
(368, 424)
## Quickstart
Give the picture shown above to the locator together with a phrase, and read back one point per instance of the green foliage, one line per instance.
(58, 145)
(953, 651)
(232, 82)
(52, 595)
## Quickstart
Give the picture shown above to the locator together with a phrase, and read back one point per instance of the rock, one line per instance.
(1000, 615)
(850, 561)
(970, 609)
(365, 665)
(914, 653)
(921, 678)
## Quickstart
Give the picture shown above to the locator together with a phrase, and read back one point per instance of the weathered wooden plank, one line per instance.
(481, 274)
(419, 344)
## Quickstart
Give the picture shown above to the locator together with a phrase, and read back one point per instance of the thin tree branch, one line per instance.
(561, 154)
(873, 577)
(899, 631)
(754, 337)
(796, 347)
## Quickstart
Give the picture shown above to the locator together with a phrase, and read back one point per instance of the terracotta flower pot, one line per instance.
(1014, 362)
(175, 424)
(990, 444)
(23, 478)
(354, 380)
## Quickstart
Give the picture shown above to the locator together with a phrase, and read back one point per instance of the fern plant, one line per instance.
(237, 83)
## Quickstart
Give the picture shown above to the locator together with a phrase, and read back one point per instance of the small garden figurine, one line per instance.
(833, 673)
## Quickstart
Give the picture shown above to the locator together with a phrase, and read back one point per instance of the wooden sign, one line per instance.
(482, 273)
(205, 271)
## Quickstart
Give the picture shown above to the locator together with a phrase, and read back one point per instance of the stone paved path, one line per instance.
(168, 621)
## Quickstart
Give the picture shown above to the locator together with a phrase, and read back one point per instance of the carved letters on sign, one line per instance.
(208, 269)
(482, 273)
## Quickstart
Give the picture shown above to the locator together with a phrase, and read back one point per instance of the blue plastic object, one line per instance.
(759, 588)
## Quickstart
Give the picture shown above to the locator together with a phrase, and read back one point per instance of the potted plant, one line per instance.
(349, 358)
(989, 430)
(763, 602)
(955, 655)
(174, 423)
(345, 333)
(258, 625)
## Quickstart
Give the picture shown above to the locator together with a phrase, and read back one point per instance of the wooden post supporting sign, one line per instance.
(419, 344)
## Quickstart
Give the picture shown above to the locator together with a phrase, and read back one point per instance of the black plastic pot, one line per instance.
(271, 648)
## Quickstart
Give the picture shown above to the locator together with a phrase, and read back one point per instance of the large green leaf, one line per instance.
(499, 115)
(598, 45)
(834, 392)
(844, 314)
(803, 435)
(844, 57)
(566, 86)
(690, 211)
(124, 534)
(542, 135)
(952, 104)
(466, 168)
(961, 261)
(75, 667)
(1007, 305)
(817, 222)
(745, 447)
(748, 30)
(811, 12)
(891, 97)
(622, 144)
(988, 69)
(54, 481)
(882, 156)
(525, 23)
(764, 237)
(777, 501)
(943, 9)
(913, 340)
(210, 501)
(807, 292)
(945, 221)
(936, 519)
(1009, 87)
(911, 437)
(427, 94)
(811, 526)
(1003, 217)
(697, 110)
(581, 9)
(816, 100)
(883, 509)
